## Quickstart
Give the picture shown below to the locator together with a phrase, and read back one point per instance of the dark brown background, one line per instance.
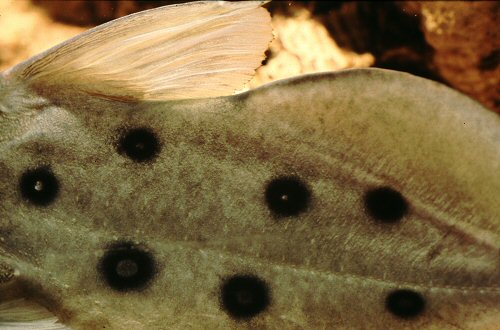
(457, 43)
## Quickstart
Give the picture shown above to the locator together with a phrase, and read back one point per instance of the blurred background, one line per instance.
(454, 42)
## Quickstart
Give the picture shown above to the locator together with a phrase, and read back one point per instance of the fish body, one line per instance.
(360, 199)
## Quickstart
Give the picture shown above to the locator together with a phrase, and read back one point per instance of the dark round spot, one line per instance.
(490, 62)
(287, 196)
(385, 204)
(267, 56)
(244, 296)
(39, 186)
(139, 144)
(405, 303)
(126, 267)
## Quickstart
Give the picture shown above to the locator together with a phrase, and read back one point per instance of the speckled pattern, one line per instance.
(361, 199)
(199, 206)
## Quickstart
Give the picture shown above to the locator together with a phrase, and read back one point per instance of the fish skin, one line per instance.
(198, 208)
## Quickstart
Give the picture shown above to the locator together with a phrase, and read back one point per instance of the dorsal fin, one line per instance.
(194, 50)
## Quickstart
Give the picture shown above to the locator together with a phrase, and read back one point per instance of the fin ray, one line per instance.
(199, 49)
(21, 314)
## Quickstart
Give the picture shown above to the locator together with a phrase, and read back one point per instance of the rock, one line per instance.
(453, 42)
(466, 40)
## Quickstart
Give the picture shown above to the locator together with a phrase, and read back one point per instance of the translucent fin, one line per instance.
(192, 50)
(26, 315)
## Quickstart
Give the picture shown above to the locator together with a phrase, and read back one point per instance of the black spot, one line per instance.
(405, 303)
(39, 186)
(139, 144)
(490, 62)
(244, 296)
(287, 196)
(267, 56)
(385, 204)
(127, 267)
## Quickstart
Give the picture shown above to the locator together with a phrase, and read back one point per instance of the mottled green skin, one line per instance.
(199, 206)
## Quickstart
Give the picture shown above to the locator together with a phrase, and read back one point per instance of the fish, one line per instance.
(140, 190)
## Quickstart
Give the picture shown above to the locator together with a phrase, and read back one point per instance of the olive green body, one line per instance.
(198, 207)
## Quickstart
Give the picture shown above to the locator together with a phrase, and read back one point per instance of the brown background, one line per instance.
(457, 43)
